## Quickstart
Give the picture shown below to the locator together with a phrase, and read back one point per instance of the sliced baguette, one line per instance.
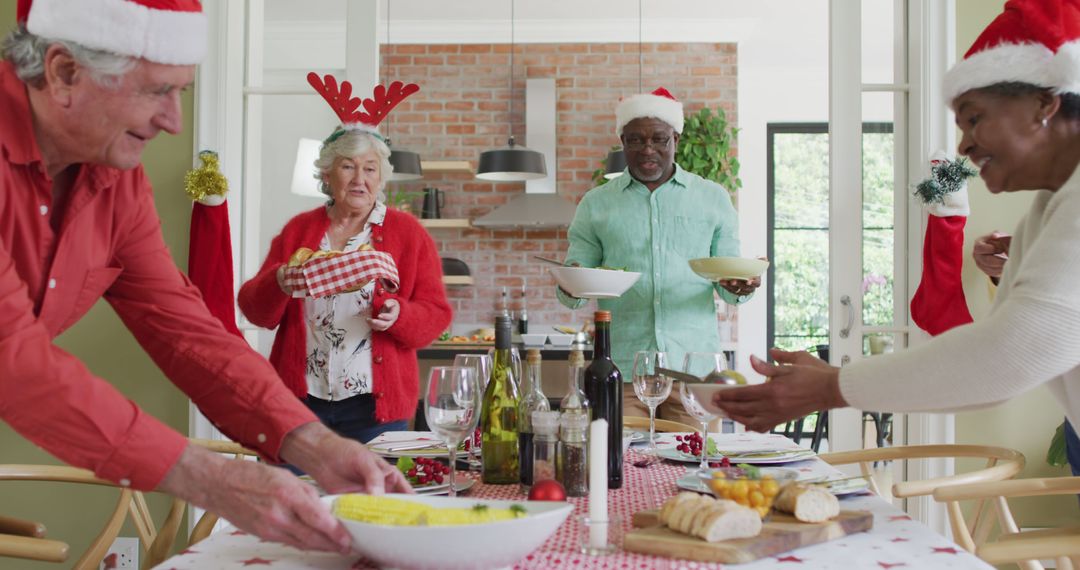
(807, 502)
(728, 519)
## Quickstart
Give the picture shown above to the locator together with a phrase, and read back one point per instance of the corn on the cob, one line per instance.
(398, 512)
(379, 510)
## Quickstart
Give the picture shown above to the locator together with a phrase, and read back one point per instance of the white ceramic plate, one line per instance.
(463, 484)
(703, 393)
(586, 283)
(435, 449)
(717, 268)
(780, 456)
(491, 545)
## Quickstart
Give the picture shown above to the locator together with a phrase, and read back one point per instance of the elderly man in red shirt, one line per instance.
(84, 87)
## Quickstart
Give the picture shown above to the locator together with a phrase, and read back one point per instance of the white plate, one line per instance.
(846, 486)
(586, 283)
(639, 436)
(463, 484)
(703, 393)
(437, 449)
(717, 268)
(490, 545)
(781, 456)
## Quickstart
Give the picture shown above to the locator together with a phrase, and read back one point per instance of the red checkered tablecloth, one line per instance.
(345, 272)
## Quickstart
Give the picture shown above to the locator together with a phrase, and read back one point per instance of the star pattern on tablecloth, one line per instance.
(900, 539)
(237, 533)
(789, 558)
(887, 565)
(187, 551)
(257, 562)
(945, 550)
(899, 518)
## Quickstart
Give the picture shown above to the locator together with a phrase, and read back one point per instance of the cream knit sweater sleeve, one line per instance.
(1030, 337)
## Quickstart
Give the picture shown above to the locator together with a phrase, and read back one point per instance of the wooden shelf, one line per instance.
(457, 280)
(445, 222)
(440, 166)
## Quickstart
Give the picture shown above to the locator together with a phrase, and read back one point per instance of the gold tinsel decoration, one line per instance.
(206, 180)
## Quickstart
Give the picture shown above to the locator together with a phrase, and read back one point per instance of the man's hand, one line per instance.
(991, 251)
(793, 391)
(269, 502)
(341, 465)
(740, 286)
(387, 316)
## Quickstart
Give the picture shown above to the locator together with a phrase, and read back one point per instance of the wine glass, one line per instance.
(452, 408)
(651, 387)
(702, 365)
(482, 364)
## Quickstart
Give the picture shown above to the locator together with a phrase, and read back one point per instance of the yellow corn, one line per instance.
(397, 512)
(379, 510)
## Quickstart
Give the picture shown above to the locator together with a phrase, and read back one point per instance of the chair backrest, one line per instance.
(1013, 546)
(661, 425)
(1001, 463)
(26, 539)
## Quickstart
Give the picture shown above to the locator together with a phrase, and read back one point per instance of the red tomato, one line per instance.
(547, 490)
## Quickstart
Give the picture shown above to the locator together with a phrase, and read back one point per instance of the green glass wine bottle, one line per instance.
(499, 414)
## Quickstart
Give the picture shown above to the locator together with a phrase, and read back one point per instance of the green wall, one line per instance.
(1026, 423)
(101, 341)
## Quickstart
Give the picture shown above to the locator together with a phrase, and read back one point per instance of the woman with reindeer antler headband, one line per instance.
(349, 349)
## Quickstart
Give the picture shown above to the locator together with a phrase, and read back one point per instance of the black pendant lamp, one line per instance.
(512, 163)
(406, 164)
(615, 164)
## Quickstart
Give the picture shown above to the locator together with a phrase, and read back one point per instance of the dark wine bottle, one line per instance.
(604, 389)
(499, 413)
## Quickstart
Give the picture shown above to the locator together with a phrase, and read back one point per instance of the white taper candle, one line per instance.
(598, 485)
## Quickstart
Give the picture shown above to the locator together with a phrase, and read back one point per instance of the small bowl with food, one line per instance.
(754, 487)
(594, 283)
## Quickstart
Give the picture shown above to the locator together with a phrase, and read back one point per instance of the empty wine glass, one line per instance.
(651, 387)
(482, 364)
(702, 365)
(452, 408)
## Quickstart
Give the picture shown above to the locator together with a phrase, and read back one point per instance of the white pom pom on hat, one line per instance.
(172, 32)
(1031, 41)
(660, 104)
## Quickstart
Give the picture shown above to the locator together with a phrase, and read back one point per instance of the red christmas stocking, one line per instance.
(210, 261)
(939, 303)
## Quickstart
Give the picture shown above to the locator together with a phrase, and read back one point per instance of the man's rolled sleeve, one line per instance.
(145, 454)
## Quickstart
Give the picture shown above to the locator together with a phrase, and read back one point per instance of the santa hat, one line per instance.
(348, 109)
(1032, 41)
(162, 31)
(660, 104)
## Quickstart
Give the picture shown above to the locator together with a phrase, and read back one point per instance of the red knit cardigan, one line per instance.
(425, 312)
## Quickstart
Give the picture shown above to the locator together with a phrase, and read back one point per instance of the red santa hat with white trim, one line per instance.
(1031, 41)
(660, 104)
(172, 32)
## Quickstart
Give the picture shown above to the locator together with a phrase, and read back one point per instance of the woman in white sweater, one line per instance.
(1017, 100)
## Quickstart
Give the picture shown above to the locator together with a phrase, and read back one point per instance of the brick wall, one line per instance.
(463, 108)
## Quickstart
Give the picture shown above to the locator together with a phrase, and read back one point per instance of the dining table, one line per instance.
(895, 540)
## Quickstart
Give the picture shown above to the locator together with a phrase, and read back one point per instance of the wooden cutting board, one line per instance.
(780, 533)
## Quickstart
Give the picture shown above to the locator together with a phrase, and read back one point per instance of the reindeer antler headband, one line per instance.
(347, 107)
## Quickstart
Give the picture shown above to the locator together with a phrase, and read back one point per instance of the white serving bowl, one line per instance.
(534, 339)
(467, 547)
(561, 339)
(586, 283)
(717, 268)
(704, 394)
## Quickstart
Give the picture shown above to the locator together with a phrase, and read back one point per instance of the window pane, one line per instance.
(801, 287)
(878, 41)
(801, 180)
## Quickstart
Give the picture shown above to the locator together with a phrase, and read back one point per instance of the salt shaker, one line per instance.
(545, 444)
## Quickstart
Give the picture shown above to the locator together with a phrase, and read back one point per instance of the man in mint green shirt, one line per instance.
(653, 219)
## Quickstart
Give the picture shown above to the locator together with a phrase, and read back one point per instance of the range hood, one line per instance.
(540, 206)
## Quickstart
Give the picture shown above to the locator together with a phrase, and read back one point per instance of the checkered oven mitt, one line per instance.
(325, 273)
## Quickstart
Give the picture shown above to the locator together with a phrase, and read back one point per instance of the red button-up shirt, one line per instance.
(109, 243)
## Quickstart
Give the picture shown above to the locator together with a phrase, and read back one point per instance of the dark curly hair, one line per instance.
(1070, 102)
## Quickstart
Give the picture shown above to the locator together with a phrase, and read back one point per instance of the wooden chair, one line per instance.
(635, 422)
(26, 539)
(1013, 546)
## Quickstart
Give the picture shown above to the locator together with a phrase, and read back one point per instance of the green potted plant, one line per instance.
(705, 148)
(402, 200)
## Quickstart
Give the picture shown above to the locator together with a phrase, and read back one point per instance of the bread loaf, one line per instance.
(808, 503)
(708, 518)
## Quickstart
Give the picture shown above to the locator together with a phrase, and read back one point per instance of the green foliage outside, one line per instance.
(801, 241)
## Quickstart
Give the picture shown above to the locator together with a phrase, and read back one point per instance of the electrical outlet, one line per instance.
(123, 554)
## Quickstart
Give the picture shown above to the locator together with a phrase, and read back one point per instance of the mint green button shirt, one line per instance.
(670, 308)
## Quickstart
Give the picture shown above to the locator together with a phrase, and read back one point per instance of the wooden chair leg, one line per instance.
(93, 556)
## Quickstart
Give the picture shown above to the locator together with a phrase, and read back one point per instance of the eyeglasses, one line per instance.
(634, 145)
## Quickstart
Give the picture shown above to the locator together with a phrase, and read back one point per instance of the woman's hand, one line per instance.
(387, 316)
(281, 281)
(991, 251)
(793, 391)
